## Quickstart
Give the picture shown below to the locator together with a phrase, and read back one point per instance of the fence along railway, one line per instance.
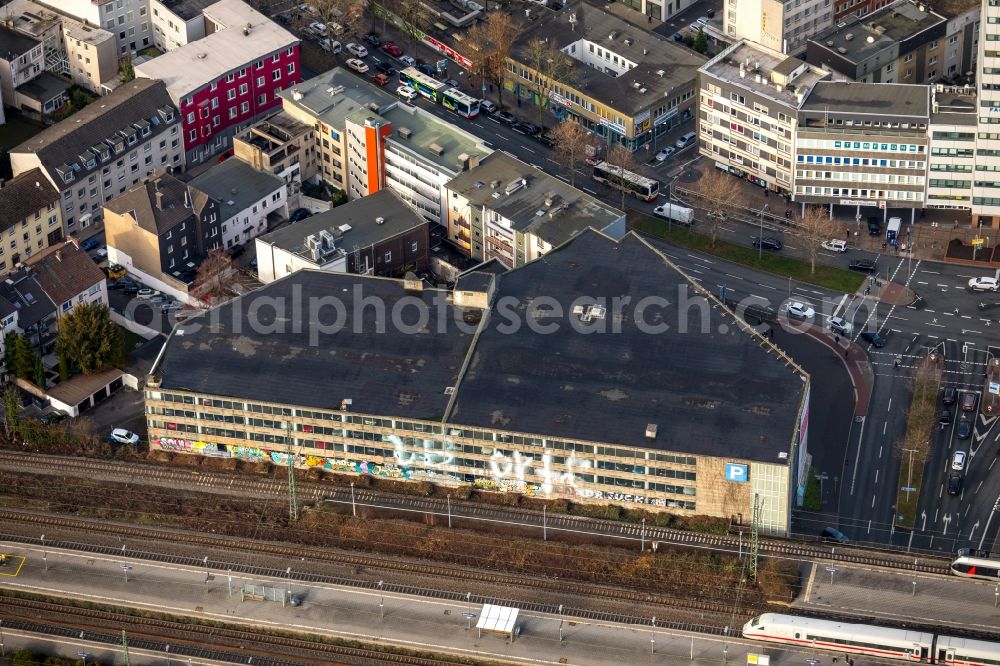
(243, 485)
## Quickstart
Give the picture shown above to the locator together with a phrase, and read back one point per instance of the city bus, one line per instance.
(426, 86)
(641, 187)
(461, 103)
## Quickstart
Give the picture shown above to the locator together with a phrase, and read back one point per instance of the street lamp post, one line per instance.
(914, 588)
(208, 574)
(545, 523)
(909, 470)
(288, 586)
(45, 559)
(760, 239)
(642, 545)
(381, 601)
(560, 623)
(354, 508)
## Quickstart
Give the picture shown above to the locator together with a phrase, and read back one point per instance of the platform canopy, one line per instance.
(501, 619)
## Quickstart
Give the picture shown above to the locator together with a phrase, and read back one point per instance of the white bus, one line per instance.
(641, 187)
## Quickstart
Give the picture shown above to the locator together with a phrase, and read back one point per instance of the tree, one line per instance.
(412, 18)
(11, 409)
(624, 159)
(700, 41)
(491, 40)
(345, 13)
(19, 357)
(816, 226)
(216, 274)
(551, 66)
(126, 69)
(720, 193)
(571, 141)
(90, 340)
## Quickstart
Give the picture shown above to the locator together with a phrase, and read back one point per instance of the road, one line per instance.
(365, 614)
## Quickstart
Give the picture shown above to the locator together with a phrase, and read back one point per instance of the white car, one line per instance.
(841, 326)
(800, 311)
(123, 436)
(407, 93)
(984, 284)
(665, 153)
(317, 28)
(958, 461)
(702, 20)
(357, 50)
(357, 65)
(408, 61)
(834, 245)
(146, 293)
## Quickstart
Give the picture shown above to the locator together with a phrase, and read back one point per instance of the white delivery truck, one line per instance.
(678, 214)
(892, 231)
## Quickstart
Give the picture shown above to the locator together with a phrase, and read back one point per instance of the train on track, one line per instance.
(915, 647)
(976, 567)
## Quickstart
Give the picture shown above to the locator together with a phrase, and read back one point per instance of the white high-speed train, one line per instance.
(912, 646)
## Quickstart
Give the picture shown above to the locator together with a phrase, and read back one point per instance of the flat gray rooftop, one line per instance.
(954, 107)
(851, 98)
(433, 139)
(721, 392)
(335, 94)
(762, 61)
(230, 351)
(857, 39)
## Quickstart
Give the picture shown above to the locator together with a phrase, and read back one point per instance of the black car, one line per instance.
(945, 417)
(527, 128)
(385, 68)
(236, 250)
(968, 401)
(864, 266)
(299, 215)
(949, 395)
(453, 83)
(424, 68)
(547, 138)
(954, 483)
(874, 226)
(874, 339)
(505, 117)
(131, 289)
(373, 39)
(964, 430)
(767, 243)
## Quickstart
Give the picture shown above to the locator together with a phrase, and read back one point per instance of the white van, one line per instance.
(685, 140)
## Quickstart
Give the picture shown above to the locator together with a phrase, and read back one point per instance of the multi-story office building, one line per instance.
(650, 416)
(127, 20)
(513, 212)
(780, 25)
(104, 149)
(902, 43)
(750, 97)
(863, 146)
(986, 184)
(952, 160)
(411, 152)
(30, 218)
(324, 102)
(626, 84)
(229, 79)
(177, 22)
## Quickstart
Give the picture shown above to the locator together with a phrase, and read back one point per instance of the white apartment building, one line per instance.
(249, 199)
(22, 59)
(177, 22)
(127, 20)
(781, 25)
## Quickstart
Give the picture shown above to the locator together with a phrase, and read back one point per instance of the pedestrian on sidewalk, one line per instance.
(836, 339)
(847, 352)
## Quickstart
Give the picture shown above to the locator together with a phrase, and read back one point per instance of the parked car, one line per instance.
(863, 266)
(841, 326)
(487, 107)
(331, 46)
(373, 39)
(299, 214)
(356, 50)
(702, 20)
(317, 28)
(831, 534)
(453, 83)
(949, 395)
(968, 401)
(964, 430)
(123, 436)
(380, 79)
(546, 138)
(767, 243)
(407, 60)
(834, 245)
(116, 272)
(710, 13)
(407, 93)
(424, 68)
(146, 293)
(51, 418)
(800, 311)
(945, 417)
(385, 68)
(357, 65)
(873, 338)
(526, 128)
(665, 153)
(954, 483)
(131, 289)
(90, 244)
(958, 461)
(236, 250)
(685, 140)
(984, 284)
(505, 117)
(392, 49)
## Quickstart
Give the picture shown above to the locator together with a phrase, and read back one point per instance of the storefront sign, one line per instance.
(857, 202)
(559, 99)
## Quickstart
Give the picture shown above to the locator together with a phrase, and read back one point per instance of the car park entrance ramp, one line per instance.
(498, 619)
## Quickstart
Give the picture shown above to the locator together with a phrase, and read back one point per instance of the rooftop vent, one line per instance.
(841, 50)
(436, 149)
(870, 40)
(345, 404)
(449, 390)
(246, 29)
(651, 431)
(379, 220)
(404, 132)
(515, 185)
(550, 198)
(479, 184)
(849, 36)
(202, 56)
(829, 43)
(344, 228)
(612, 35)
(660, 73)
(628, 42)
(636, 85)
(494, 184)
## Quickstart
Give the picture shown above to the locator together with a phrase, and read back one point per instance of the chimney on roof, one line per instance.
(187, 198)
(58, 255)
(159, 200)
(246, 29)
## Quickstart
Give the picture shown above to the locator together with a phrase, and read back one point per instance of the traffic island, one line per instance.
(914, 448)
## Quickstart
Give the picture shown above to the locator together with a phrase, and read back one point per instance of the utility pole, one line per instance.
(124, 648)
(293, 498)
(754, 539)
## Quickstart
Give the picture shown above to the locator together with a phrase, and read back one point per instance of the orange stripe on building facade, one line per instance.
(375, 136)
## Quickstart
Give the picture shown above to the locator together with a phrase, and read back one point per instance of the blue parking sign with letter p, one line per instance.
(737, 473)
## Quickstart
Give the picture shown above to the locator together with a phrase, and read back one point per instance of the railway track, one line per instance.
(414, 570)
(244, 485)
(215, 642)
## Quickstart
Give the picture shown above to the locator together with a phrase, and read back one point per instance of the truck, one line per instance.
(892, 231)
(678, 214)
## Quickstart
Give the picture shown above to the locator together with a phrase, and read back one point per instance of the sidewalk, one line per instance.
(856, 362)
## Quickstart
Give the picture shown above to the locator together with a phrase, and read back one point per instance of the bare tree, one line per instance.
(345, 13)
(624, 160)
(816, 227)
(412, 19)
(215, 274)
(551, 66)
(491, 41)
(571, 141)
(720, 192)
